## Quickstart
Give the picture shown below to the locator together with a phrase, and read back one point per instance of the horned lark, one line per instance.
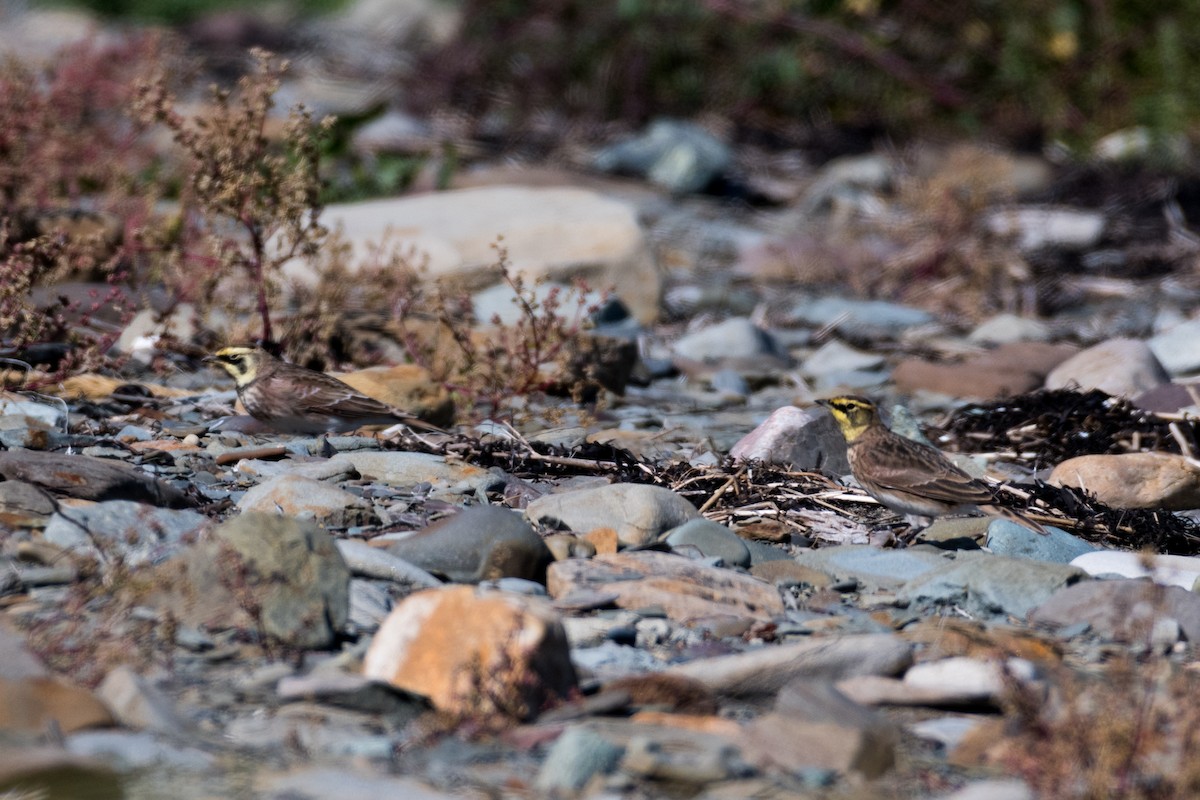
(906, 476)
(293, 399)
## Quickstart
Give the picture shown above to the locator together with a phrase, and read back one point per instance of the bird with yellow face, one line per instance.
(907, 476)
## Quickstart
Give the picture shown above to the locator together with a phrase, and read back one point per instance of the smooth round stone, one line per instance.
(713, 540)
(1007, 538)
(478, 544)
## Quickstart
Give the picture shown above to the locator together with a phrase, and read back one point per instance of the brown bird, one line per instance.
(293, 399)
(906, 476)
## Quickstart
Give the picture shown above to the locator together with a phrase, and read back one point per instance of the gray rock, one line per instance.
(351, 691)
(946, 731)
(410, 469)
(499, 302)
(305, 498)
(609, 661)
(1123, 610)
(768, 669)
(735, 338)
(48, 414)
(680, 756)
(1177, 349)
(835, 357)
(369, 605)
(574, 758)
(860, 319)
(23, 504)
(678, 156)
(478, 544)
(121, 530)
(814, 725)
(762, 552)
(286, 574)
(639, 513)
(845, 178)
(1120, 367)
(989, 585)
(126, 751)
(375, 562)
(1005, 538)
(713, 540)
(89, 478)
(800, 438)
(136, 703)
(1009, 328)
(872, 567)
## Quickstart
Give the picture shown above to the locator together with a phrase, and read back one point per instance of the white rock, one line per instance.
(548, 232)
(1036, 227)
(1178, 348)
(1009, 328)
(965, 679)
(1165, 569)
(1120, 367)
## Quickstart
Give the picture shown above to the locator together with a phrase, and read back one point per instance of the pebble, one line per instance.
(735, 338)
(682, 588)
(301, 497)
(860, 319)
(1006, 538)
(1176, 348)
(639, 513)
(712, 540)
(480, 543)
(1120, 367)
(1133, 480)
(574, 758)
(798, 438)
(1182, 571)
(989, 585)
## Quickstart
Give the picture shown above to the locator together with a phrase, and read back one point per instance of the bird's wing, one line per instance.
(924, 471)
(323, 394)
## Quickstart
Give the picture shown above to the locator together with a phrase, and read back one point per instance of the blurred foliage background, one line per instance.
(1023, 71)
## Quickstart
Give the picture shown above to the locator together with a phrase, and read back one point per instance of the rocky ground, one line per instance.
(674, 591)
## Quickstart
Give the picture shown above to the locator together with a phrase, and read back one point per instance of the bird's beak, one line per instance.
(209, 360)
(822, 402)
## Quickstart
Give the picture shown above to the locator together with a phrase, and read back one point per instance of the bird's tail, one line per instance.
(1015, 516)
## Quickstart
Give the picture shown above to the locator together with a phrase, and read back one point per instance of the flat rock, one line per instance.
(1120, 367)
(316, 783)
(639, 513)
(1006, 538)
(987, 584)
(803, 439)
(375, 562)
(474, 652)
(16, 660)
(1133, 480)
(869, 319)
(298, 496)
(1005, 371)
(787, 571)
(122, 530)
(548, 232)
(282, 576)
(735, 338)
(1176, 349)
(683, 588)
(873, 567)
(712, 540)
(1008, 329)
(400, 468)
(814, 726)
(478, 544)
(89, 478)
(23, 505)
(1168, 570)
(765, 670)
(1123, 610)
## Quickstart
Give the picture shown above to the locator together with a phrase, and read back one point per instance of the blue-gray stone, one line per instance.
(1007, 538)
(678, 156)
(991, 585)
(713, 540)
(860, 318)
(874, 568)
(576, 756)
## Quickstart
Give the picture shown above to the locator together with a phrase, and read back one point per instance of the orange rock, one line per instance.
(29, 705)
(603, 539)
(945, 638)
(474, 652)
(699, 723)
